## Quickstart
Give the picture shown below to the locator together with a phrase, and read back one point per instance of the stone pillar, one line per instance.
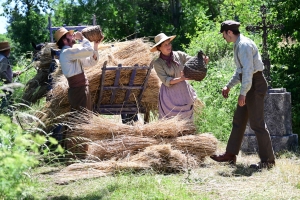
(278, 119)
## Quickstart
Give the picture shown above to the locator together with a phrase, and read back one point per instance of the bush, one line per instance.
(15, 159)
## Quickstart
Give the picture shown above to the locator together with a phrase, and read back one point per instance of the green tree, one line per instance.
(285, 53)
(26, 22)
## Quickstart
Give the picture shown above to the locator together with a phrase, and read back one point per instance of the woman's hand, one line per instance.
(183, 77)
(206, 59)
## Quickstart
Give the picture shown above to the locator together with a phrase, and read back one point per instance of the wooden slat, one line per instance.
(145, 83)
(116, 83)
(101, 84)
(128, 91)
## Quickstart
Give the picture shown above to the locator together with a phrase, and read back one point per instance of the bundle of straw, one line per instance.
(45, 56)
(200, 145)
(98, 127)
(163, 158)
(119, 147)
(160, 158)
(36, 88)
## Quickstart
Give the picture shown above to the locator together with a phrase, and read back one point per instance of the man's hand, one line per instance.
(242, 100)
(96, 43)
(17, 73)
(225, 92)
(78, 36)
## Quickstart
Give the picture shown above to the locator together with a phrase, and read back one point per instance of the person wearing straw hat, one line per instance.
(250, 105)
(72, 61)
(6, 73)
(176, 95)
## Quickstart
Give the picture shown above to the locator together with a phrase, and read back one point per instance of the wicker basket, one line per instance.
(93, 33)
(195, 68)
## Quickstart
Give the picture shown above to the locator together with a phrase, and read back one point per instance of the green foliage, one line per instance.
(3, 37)
(15, 159)
(26, 23)
(206, 38)
(23, 63)
(285, 53)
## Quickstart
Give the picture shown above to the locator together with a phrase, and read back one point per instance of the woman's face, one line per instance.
(166, 47)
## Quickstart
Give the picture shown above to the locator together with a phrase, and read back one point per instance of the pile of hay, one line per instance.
(126, 53)
(169, 145)
(36, 88)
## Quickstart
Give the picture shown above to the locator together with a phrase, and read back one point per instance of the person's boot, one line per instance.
(226, 157)
(263, 165)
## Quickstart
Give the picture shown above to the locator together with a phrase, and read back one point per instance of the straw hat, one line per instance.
(61, 32)
(160, 38)
(4, 46)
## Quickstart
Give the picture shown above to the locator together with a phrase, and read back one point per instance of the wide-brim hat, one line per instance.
(160, 38)
(4, 46)
(61, 32)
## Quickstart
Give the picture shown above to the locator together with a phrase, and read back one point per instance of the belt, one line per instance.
(258, 72)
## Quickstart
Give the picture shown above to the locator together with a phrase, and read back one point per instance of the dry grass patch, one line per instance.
(222, 181)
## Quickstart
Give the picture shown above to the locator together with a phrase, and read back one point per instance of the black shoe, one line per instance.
(263, 165)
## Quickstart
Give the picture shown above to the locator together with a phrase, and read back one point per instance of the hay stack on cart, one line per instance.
(126, 53)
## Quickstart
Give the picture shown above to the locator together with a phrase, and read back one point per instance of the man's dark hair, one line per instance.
(5, 51)
(60, 42)
(235, 32)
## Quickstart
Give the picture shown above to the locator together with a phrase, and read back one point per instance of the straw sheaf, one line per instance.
(99, 128)
(200, 146)
(163, 158)
(36, 88)
(119, 147)
(45, 56)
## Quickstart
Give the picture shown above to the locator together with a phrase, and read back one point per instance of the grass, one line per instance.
(211, 180)
(119, 186)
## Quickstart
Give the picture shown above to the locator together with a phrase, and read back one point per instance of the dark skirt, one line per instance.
(178, 99)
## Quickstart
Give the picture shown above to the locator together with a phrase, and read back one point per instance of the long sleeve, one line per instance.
(165, 73)
(248, 61)
(5, 70)
(73, 60)
(246, 58)
(235, 79)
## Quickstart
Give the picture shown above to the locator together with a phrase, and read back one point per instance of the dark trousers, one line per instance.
(254, 111)
(79, 97)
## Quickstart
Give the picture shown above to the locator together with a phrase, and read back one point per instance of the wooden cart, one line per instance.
(126, 107)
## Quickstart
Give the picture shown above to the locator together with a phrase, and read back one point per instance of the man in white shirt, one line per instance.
(72, 61)
(249, 67)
